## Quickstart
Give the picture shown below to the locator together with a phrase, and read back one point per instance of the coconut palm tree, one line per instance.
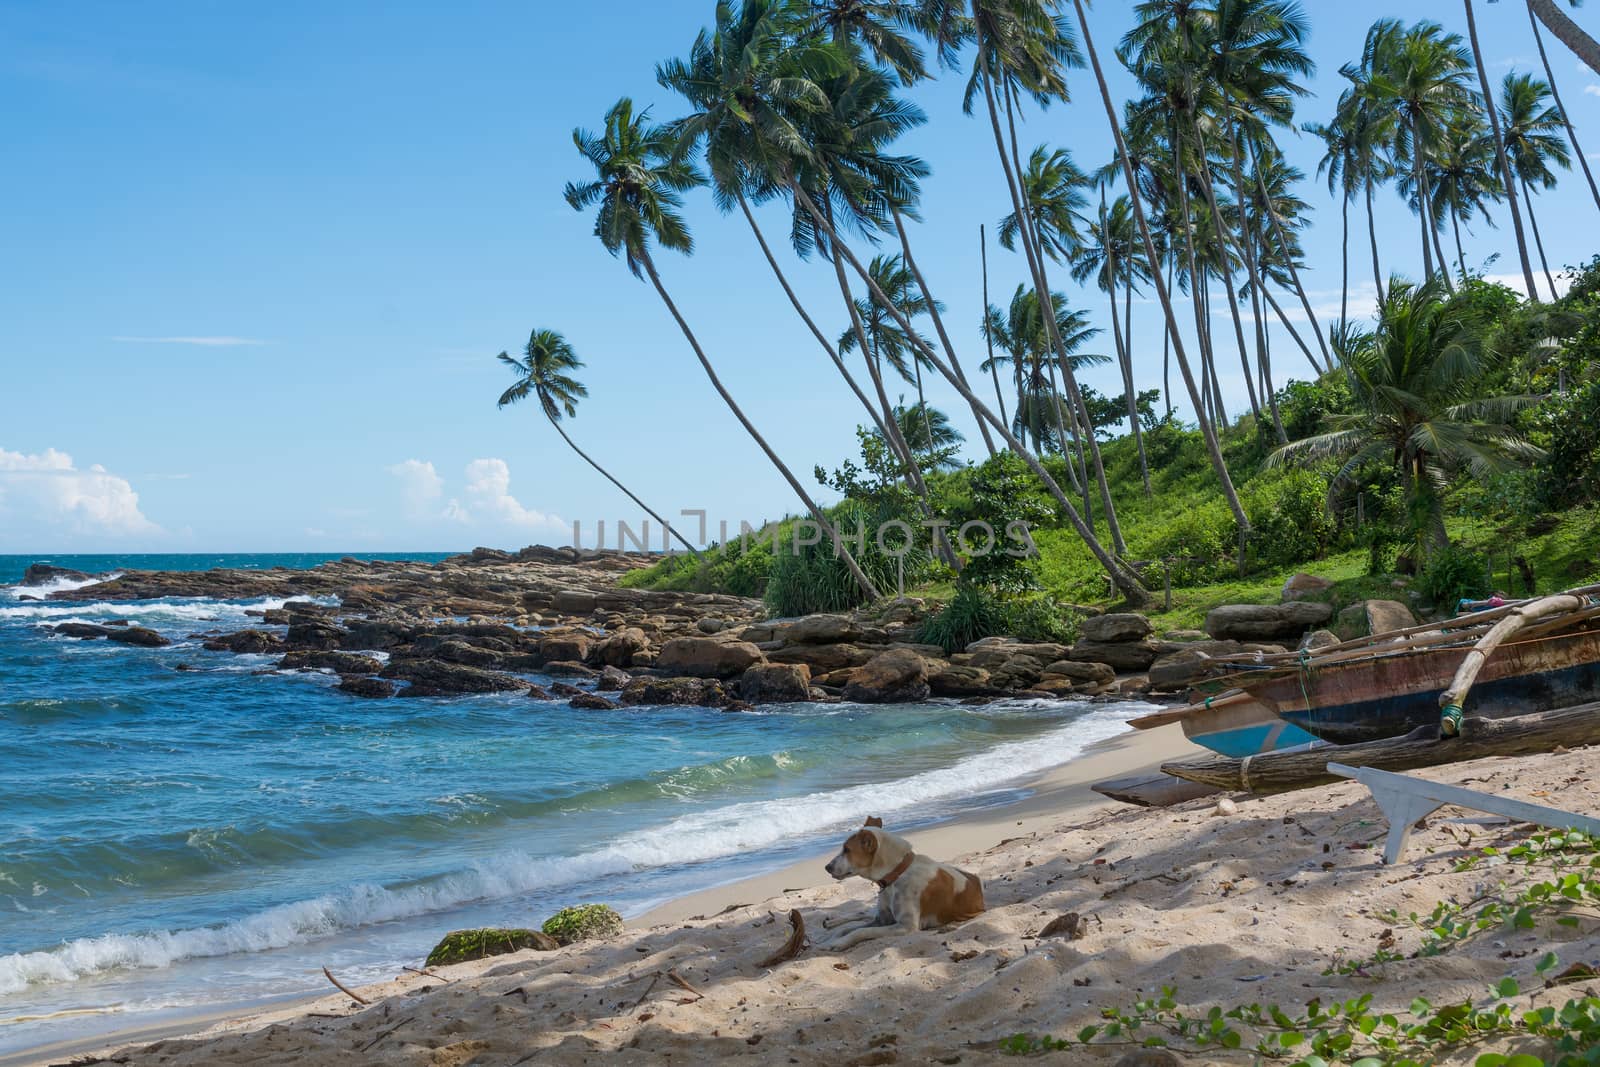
(1461, 173)
(1568, 32)
(1421, 73)
(1341, 162)
(1163, 291)
(547, 372)
(1531, 129)
(640, 177)
(1566, 119)
(1025, 344)
(887, 341)
(1417, 385)
(1506, 173)
(1372, 122)
(882, 27)
(930, 432)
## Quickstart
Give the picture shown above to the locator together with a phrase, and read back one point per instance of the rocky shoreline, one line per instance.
(481, 622)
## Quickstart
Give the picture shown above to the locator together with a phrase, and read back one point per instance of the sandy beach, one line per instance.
(1252, 906)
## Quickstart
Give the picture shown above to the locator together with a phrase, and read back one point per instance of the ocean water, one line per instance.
(172, 841)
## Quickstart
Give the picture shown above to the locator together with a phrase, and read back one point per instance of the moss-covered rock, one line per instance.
(583, 923)
(459, 946)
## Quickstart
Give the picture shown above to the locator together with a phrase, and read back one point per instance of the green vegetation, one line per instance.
(583, 923)
(462, 945)
(1565, 887)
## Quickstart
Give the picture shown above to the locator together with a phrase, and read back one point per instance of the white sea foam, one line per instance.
(151, 612)
(702, 836)
(56, 585)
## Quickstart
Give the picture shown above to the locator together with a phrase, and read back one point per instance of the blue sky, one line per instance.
(258, 261)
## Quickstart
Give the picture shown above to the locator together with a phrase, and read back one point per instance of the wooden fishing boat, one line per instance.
(1235, 724)
(1391, 693)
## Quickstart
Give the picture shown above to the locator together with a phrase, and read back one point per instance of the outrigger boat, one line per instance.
(1523, 657)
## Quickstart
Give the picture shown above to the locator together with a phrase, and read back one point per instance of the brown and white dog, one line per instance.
(914, 891)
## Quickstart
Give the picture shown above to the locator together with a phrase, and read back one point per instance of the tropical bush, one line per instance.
(971, 615)
(1452, 574)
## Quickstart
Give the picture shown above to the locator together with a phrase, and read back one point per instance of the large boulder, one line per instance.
(1120, 656)
(136, 635)
(83, 631)
(1386, 615)
(370, 688)
(565, 647)
(707, 657)
(338, 662)
(432, 677)
(375, 634)
(1259, 622)
(691, 692)
(308, 631)
(246, 641)
(1179, 669)
(776, 683)
(823, 658)
(994, 652)
(1018, 672)
(460, 946)
(619, 649)
(960, 680)
(893, 677)
(573, 602)
(1304, 587)
(1122, 626)
(1084, 674)
(44, 574)
(455, 650)
(822, 630)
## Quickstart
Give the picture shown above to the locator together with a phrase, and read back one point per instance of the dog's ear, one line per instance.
(873, 820)
(869, 842)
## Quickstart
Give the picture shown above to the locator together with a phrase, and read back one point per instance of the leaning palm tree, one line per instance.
(638, 186)
(1417, 385)
(1533, 142)
(1163, 291)
(1568, 32)
(887, 343)
(1462, 176)
(546, 372)
(1566, 119)
(1507, 175)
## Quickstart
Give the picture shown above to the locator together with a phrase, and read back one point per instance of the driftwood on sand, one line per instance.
(792, 947)
(1279, 772)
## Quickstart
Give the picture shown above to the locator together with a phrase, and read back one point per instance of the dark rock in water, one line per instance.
(776, 683)
(338, 662)
(431, 677)
(455, 650)
(462, 946)
(592, 702)
(44, 574)
(613, 679)
(185, 667)
(566, 689)
(959, 680)
(119, 622)
(893, 677)
(701, 692)
(708, 657)
(372, 688)
(313, 633)
(137, 635)
(539, 692)
(738, 705)
(620, 648)
(82, 630)
(247, 641)
(567, 648)
(375, 634)
(571, 669)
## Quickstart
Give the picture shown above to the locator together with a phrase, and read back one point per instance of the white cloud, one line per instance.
(1517, 282)
(485, 498)
(47, 490)
(488, 495)
(209, 342)
(420, 487)
(1591, 89)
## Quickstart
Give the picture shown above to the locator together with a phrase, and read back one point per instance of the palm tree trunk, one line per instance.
(827, 346)
(922, 402)
(1126, 582)
(1292, 331)
(1538, 241)
(1372, 235)
(1568, 32)
(1213, 449)
(1034, 254)
(1211, 349)
(1138, 423)
(1572, 135)
(1438, 250)
(1344, 266)
(1224, 238)
(1419, 177)
(1501, 159)
(864, 583)
(938, 320)
(994, 368)
(1124, 353)
(1288, 258)
(1207, 411)
(665, 525)
(1461, 255)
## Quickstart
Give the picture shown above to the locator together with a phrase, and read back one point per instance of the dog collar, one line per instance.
(900, 868)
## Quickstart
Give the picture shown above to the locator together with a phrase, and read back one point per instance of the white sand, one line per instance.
(1229, 909)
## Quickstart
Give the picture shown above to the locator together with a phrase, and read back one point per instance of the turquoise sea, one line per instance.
(172, 841)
